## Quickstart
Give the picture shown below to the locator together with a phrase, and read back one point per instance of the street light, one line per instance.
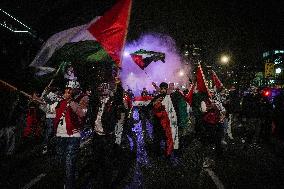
(224, 59)
(181, 73)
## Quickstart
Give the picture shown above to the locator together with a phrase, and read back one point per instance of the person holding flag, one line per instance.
(68, 122)
(164, 122)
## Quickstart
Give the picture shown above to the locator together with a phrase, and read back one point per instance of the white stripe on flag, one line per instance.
(140, 103)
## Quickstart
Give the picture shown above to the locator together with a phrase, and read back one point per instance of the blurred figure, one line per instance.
(33, 129)
(265, 115)
(213, 119)
(68, 122)
(107, 108)
(182, 109)
(144, 92)
(233, 109)
(49, 96)
(278, 118)
(251, 110)
(164, 122)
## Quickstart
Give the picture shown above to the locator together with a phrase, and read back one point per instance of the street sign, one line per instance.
(269, 71)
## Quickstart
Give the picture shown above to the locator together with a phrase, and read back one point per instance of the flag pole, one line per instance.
(52, 80)
(148, 76)
(53, 77)
(22, 92)
(124, 39)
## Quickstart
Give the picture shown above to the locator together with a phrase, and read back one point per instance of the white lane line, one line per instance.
(35, 180)
(85, 142)
(215, 178)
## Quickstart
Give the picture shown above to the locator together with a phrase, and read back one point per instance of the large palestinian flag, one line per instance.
(108, 31)
(143, 58)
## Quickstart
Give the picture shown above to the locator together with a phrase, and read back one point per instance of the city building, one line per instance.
(272, 73)
(273, 67)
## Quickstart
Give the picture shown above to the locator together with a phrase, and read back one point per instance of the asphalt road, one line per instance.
(243, 165)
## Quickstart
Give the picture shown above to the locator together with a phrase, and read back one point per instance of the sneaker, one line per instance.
(208, 163)
(224, 142)
(231, 138)
(44, 151)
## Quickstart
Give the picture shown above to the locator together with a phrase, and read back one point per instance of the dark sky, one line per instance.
(243, 28)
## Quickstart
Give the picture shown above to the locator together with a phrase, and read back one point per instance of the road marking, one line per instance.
(215, 178)
(35, 180)
(85, 142)
(39, 177)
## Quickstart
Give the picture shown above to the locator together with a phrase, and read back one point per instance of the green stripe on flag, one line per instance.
(101, 55)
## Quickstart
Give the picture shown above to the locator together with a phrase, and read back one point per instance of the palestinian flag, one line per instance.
(188, 96)
(201, 83)
(141, 100)
(143, 58)
(109, 31)
(216, 81)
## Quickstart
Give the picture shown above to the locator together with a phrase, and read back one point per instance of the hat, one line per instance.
(164, 85)
(73, 84)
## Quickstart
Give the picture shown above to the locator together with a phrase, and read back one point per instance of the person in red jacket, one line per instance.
(68, 122)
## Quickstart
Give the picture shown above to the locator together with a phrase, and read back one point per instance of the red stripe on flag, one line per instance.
(216, 80)
(138, 59)
(143, 98)
(110, 30)
(189, 95)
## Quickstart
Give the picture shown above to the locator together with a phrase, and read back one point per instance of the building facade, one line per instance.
(273, 67)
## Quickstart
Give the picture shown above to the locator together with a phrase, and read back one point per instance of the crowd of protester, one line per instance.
(109, 112)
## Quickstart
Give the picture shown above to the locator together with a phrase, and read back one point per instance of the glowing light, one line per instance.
(266, 93)
(181, 73)
(224, 59)
(126, 53)
(19, 31)
(278, 70)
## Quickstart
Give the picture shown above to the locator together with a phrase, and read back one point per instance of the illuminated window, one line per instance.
(278, 70)
(277, 61)
(265, 54)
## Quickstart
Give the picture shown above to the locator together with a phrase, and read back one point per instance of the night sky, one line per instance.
(243, 29)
